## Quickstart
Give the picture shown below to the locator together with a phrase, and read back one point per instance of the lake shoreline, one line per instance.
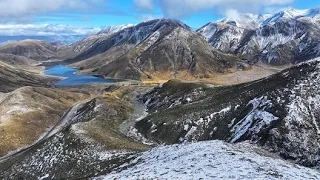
(69, 76)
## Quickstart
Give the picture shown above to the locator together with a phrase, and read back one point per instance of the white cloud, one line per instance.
(148, 17)
(233, 14)
(179, 8)
(44, 30)
(144, 4)
(20, 8)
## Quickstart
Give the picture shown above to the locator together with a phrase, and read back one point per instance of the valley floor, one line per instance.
(253, 73)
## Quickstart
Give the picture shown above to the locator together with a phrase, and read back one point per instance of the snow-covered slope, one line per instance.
(211, 160)
(286, 37)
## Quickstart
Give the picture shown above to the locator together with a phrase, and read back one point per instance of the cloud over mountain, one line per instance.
(44, 30)
(144, 4)
(178, 8)
(20, 10)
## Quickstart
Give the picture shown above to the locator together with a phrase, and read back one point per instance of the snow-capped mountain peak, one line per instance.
(246, 21)
(253, 21)
(295, 13)
(114, 29)
(291, 13)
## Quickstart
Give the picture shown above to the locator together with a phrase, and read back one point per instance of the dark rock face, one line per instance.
(280, 113)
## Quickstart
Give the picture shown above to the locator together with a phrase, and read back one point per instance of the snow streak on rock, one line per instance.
(257, 119)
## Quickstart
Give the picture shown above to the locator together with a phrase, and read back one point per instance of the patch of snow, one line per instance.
(231, 123)
(153, 38)
(257, 119)
(127, 128)
(274, 18)
(186, 127)
(211, 85)
(44, 177)
(223, 111)
(189, 100)
(109, 155)
(176, 103)
(199, 126)
(147, 102)
(154, 128)
(190, 132)
(97, 108)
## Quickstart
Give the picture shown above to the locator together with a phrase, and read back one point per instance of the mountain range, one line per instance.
(236, 99)
(163, 49)
(63, 39)
(287, 37)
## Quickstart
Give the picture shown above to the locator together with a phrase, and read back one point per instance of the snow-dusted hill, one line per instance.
(210, 160)
(289, 36)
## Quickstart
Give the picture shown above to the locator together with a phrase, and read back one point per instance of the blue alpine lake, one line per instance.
(73, 79)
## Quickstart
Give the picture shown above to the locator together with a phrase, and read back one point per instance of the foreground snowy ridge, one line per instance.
(211, 160)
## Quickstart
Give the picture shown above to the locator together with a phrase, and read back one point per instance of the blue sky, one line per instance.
(117, 12)
(100, 13)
